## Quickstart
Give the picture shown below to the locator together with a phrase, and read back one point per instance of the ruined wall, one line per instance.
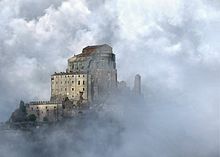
(44, 111)
(137, 85)
(78, 64)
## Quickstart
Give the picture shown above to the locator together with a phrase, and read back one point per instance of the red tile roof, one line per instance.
(87, 51)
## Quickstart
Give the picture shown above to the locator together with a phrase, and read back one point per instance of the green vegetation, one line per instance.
(45, 119)
(22, 107)
(32, 118)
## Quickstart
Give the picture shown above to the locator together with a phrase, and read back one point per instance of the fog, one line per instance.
(172, 44)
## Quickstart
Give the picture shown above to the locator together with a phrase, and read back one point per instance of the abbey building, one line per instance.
(89, 76)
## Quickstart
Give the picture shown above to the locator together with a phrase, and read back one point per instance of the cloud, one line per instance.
(173, 44)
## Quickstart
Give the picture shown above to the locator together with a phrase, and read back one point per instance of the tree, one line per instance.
(20, 114)
(22, 107)
(45, 119)
(32, 118)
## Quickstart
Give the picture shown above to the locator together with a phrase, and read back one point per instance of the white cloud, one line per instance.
(173, 44)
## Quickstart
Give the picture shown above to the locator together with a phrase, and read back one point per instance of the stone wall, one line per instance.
(44, 111)
(95, 66)
(70, 85)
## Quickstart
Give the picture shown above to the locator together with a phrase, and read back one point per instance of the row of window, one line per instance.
(79, 65)
(77, 94)
(68, 76)
(45, 107)
(67, 82)
(77, 68)
(65, 89)
(71, 89)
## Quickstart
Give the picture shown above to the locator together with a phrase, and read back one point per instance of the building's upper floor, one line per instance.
(92, 58)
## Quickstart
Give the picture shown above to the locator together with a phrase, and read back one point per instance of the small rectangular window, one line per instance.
(83, 82)
(72, 89)
(78, 82)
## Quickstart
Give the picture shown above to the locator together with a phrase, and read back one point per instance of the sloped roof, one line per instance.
(87, 51)
(69, 73)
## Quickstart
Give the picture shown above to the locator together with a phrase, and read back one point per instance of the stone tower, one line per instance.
(92, 72)
(137, 85)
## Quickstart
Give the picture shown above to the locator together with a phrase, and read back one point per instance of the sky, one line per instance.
(172, 44)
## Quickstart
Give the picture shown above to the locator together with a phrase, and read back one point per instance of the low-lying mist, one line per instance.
(125, 125)
(172, 44)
